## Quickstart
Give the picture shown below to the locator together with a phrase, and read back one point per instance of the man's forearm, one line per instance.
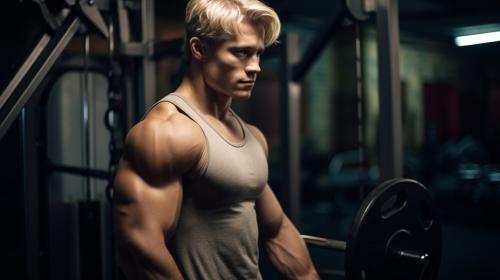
(288, 253)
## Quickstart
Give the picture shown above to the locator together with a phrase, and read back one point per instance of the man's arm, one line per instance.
(285, 247)
(148, 195)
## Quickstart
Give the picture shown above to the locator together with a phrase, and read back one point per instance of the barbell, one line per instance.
(396, 234)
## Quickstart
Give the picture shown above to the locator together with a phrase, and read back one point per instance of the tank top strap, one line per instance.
(187, 108)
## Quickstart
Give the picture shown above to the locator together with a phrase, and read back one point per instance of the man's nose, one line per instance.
(253, 65)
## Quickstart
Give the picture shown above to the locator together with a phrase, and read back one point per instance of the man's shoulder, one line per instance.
(165, 139)
(174, 129)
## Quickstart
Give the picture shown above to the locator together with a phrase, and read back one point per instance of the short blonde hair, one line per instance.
(218, 19)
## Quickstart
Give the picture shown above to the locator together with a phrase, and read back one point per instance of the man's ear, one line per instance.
(197, 48)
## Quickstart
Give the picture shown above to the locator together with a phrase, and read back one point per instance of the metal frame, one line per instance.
(290, 94)
(319, 42)
(46, 167)
(144, 49)
(290, 128)
(148, 77)
(31, 192)
(390, 122)
(15, 99)
(20, 98)
(41, 59)
(35, 68)
(85, 172)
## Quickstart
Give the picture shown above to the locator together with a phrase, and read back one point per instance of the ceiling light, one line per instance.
(477, 39)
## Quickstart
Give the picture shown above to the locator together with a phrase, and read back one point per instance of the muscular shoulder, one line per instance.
(165, 143)
(260, 137)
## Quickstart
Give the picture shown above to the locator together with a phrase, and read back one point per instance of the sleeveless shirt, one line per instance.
(217, 234)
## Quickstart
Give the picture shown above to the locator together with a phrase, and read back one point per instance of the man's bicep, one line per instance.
(145, 216)
(143, 209)
(269, 213)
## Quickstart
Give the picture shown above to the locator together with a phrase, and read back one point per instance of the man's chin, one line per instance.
(242, 95)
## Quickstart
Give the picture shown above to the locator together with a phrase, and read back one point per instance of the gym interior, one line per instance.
(355, 93)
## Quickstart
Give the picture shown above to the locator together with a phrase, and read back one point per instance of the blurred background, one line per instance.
(56, 219)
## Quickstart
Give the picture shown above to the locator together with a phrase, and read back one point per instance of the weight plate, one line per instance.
(399, 216)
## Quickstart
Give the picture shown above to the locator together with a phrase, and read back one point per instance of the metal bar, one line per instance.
(321, 242)
(86, 115)
(422, 258)
(319, 42)
(390, 127)
(412, 255)
(137, 49)
(43, 179)
(87, 172)
(284, 123)
(30, 192)
(122, 22)
(290, 129)
(29, 76)
(122, 34)
(294, 92)
(148, 77)
(42, 43)
(154, 50)
(294, 118)
(77, 63)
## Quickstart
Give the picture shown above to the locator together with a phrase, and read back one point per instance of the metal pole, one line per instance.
(290, 129)
(85, 117)
(325, 243)
(30, 191)
(294, 150)
(390, 127)
(148, 64)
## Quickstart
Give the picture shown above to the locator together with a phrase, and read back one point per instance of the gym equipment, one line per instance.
(396, 234)
(35, 68)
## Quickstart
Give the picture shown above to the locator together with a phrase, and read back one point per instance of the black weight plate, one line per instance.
(398, 214)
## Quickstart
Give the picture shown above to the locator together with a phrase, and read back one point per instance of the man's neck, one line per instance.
(204, 98)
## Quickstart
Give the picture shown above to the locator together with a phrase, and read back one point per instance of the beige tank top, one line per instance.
(217, 234)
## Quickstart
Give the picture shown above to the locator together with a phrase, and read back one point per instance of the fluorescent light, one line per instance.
(477, 39)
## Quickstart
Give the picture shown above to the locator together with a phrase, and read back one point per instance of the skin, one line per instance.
(166, 145)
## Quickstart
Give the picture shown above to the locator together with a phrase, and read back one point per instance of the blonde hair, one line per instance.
(218, 19)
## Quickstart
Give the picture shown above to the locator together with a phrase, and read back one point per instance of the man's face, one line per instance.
(230, 67)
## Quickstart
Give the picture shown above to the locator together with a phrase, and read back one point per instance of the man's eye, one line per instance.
(241, 53)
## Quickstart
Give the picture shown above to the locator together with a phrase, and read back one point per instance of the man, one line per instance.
(191, 195)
